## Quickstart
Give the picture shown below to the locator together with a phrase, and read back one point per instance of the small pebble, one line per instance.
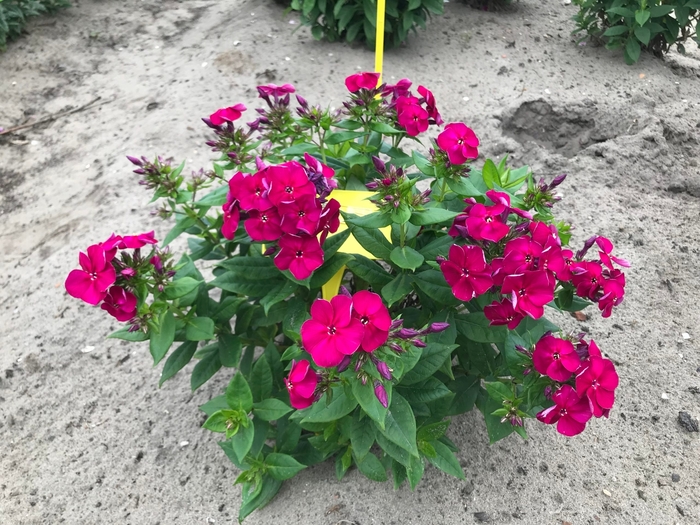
(607, 492)
(664, 395)
(675, 477)
(184, 443)
(87, 349)
(685, 335)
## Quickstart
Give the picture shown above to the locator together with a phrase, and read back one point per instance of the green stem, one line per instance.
(403, 235)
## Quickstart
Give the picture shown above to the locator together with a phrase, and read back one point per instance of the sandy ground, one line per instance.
(87, 437)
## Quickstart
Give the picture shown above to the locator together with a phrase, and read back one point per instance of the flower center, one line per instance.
(264, 218)
(528, 258)
(563, 412)
(288, 189)
(594, 384)
(488, 219)
(299, 254)
(301, 213)
(556, 356)
(331, 330)
(258, 192)
(594, 280)
(522, 292)
(93, 276)
(465, 272)
(364, 319)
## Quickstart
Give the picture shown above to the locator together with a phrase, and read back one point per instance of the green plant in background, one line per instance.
(356, 20)
(15, 13)
(634, 25)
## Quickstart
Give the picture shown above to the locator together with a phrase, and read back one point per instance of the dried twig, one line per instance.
(50, 118)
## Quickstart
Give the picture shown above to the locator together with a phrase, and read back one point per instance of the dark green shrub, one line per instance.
(355, 20)
(14, 15)
(635, 25)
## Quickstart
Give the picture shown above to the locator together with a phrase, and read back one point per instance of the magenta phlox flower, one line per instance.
(332, 332)
(430, 106)
(272, 90)
(302, 214)
(110, 246)
(587, 278)
(359, 81)
(613, 291)
(300, 254)
(556, 358)
(316, 166)
(570, 412)
(91, 282)
(563, 273)
(530, 291)
(120, 304)
(597, 380)
(232, 217)
(485, 223)
(544, 234)
(251, 190)
(521, 254)
(503, 313)
(412, 117)
(264, 225)
(137, 241)
(466, 272)
(374, 317)
(459, 142)
(329, 222)
(301, 384)
(551, 258)
(497, 271)
(227, 114)
(400, 89)
(288, 181)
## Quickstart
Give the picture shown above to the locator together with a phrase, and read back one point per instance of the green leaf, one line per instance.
(297, 313)
(214, 405)
(267, 490)
(163, 337)
(661, 10)
(499, 391)
(466, 388)
(617, 30)
(406, 258)
(372, 220)
(261, 380)
(464, 187)
(270, 409)
(337, 137)
(496, 430)
(229, 350)
(386, 129)
(621, 11)
(414, 471)
(362, 436)
(282, 466)
(177, 360)
(329, 269)
(253, 284)
(341, 405)
(368, 401)
(180, 226)
(642, 16)
(490, 174)
(432, 358)
(433, 284)
(238, 394)
(632, 50)
(334, 243)
(643, 34)
(446, 461)
(373, 241)
(215, 198)
(398, 288)
(369, 271)
(124, 334)
(277, 295)
(400, 425)
(475, 327)
(181, 287)
(242, 441)
(342, 463)
(423, 164)
(200, 329)
(204, 370)
(532, 329)
(433, 431)
(218, 421)
(440, 246)
(432, 216)
(371, 467)
(424, 391)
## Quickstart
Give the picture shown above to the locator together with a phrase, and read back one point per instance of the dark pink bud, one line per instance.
(407, 333)
(418, 343)
(128, 272)
(372, 185)
(344, 291)
(358, 365)
(380, 392)
(302, 101)
(140, 171)
(440, 259)
(344, 364)
(134, 160)
(378, 164)
(438, 327)
(363, 379)
(157, 263)
(548, 392)
(269, 251)
(396, 323)
(383, 370)
(557, 181)
(396, 348)
(232, 155)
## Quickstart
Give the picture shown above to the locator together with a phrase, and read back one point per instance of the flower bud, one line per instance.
(418, 343)
(380, 392)
(128, 273)
(384, 370)
(396, 348)
(438, 327)
(378, 164)
(134, 160)
(396, 323)
(557, 181)
(302, 101)
(372, 185)
(344, 364)
(407, 333)
(269, 251)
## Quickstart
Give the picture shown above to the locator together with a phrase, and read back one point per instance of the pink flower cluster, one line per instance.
(595, 382)
(343, 325)
(532, 264)
(285, 204)
(94, 281)
(414, 113)
(301, 384)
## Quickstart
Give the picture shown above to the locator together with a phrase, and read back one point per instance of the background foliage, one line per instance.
(15, 13)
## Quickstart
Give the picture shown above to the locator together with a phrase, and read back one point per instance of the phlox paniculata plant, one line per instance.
(365, 284)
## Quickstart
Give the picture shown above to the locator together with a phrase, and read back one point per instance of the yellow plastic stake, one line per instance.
(379, 40)
(356, 201)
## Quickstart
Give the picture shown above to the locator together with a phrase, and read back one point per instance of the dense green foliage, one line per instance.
(635, 25)
(15, 13)
(355, 20)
